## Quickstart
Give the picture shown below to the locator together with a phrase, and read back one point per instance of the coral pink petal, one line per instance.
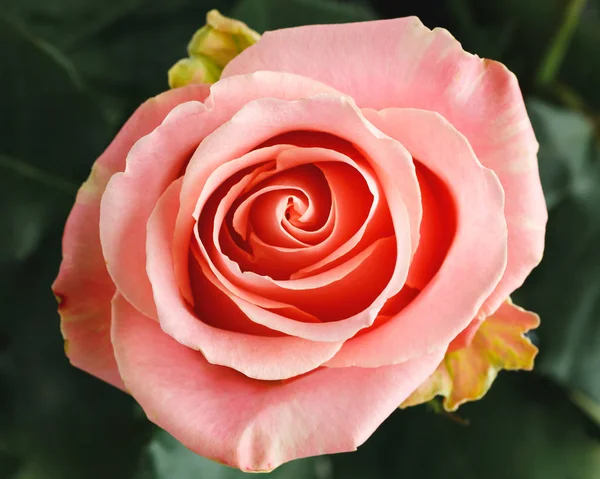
(469, 273)
(220, 311)
(265, 211)
(320, 287)
(253, 125)
(325, 113)
(260, 307)
(336, 305)
(438, 228)
(83, 286)
(256, 166)
(88, 345)
(401, 63)
(260, 357)
(325, 296)
(226, 98)
(255, 425)
(354, 200)
(152, 164)
(306, 208)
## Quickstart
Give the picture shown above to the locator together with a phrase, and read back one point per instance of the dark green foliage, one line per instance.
(71, 71)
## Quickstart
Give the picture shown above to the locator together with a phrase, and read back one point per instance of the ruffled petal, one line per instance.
(474, 263)
(152, 164)
(83, 287)
(248, 424)
(401, 63)
(260, 357)
(216, 160)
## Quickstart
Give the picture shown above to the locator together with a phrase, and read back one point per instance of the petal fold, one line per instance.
(152, 163)
(467, 374)
(474, 263)
(260, 357)
(254, 425)
(402, 63)
(83, 287)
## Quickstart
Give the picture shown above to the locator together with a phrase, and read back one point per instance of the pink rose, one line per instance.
(271, 265)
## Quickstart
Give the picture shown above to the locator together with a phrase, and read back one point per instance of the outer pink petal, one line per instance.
(475, 261)
(160, 152)
(259, 357)
(401, 63)
(249, 424)
(83, 286)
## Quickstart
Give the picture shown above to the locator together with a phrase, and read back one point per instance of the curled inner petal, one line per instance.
(328, 213)
(334, 293)
(248, 348)
(343, 202)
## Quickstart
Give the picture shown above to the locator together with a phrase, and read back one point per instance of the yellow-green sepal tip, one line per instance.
(211, 48)
(189, 71)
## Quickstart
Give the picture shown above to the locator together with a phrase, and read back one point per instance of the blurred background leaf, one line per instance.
(49, 129)
(59, 422)
(165, 457)
(71, 71)
(265, 15)
(524, 428)
(565, 288)
(55, 422)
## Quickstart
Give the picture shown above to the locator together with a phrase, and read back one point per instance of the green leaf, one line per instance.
(580, 68)
(66, 22)
(488, 41)
(551, 62)
(263, 15)
(56, 422)
(524, 428)
(124, 54)
(125, 58)
(564, 290)
(121, 49)
(55, 21)
(587, 405)
(565, 139)
(166, 458)
(8, 466)
(48, 120)
(50, 133)
(551, 39)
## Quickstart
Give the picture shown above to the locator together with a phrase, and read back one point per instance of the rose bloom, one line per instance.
(271, 265)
